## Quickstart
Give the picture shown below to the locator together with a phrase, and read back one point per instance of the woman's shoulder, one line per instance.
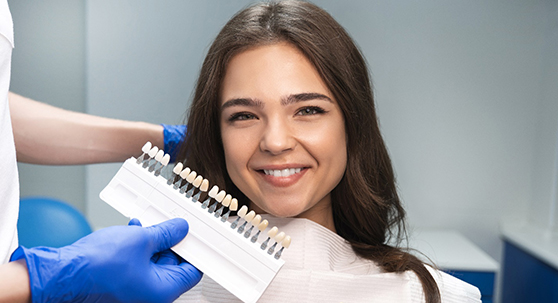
(451, 288)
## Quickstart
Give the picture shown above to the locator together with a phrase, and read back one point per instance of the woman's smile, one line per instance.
(282, 177)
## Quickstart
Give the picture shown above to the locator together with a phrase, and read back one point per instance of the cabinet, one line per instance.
(530, 265)
(455, 254)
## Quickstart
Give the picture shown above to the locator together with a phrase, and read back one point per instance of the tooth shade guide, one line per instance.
(213, 192)
(272, 248)
(175, 173)
(234, 204)
(232, 207)
(190, 192)
(270, 234)
(166, 159)
(262, 226)
(213, 257)
(178, 168)
(185, 172)
(184, 186)
(279, 237)
(249, 217)
(145, 149)
(159, 156)
(284, 244)
(220, 196)
(225, 203)
(164, 162)
(253, 223)
(256, 221)
(198, 181)
(179, 183)
(195, 184)
(242, 212)
(183, 175)
(227, 200)
(204, 185)
(203, 188)
(153, 152)
(191, 177)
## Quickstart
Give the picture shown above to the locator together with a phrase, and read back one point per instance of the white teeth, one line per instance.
(283, 172)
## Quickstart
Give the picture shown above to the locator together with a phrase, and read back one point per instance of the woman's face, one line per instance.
(283, 133)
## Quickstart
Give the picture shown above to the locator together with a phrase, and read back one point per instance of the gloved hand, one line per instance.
(165, 257)
(115, 264)
(173, 136)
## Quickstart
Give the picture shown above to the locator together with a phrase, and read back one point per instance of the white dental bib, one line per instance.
(321, 267)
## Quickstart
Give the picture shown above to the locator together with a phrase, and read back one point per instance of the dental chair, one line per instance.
(45, 221)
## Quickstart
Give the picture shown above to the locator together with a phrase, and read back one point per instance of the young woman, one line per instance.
(283, 118)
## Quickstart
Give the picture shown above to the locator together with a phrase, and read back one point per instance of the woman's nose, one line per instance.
(277, 138)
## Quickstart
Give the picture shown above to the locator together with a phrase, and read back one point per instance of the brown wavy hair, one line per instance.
(367, 211)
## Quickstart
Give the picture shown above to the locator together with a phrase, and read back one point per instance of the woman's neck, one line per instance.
(320, 213)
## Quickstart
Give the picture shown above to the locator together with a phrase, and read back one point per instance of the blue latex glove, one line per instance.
(115, 264)
(165, 257)
(173, 136)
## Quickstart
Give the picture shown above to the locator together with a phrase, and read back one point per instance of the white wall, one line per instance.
(458, 86)
(465, 90)
(544, 200)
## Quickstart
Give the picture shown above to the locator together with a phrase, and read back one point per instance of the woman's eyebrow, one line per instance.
(304, 97)
(242, 102)
(284, 101)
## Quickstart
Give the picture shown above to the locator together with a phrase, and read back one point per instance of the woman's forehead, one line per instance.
(276, 70)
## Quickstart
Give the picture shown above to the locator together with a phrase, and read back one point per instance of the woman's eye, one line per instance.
(311, 110)
(241, 116)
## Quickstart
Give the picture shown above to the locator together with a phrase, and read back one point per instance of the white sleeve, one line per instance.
(9, 186)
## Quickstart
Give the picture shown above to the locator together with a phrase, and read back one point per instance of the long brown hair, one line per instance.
(367, 211)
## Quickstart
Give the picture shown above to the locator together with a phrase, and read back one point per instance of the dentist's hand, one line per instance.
(115, 264)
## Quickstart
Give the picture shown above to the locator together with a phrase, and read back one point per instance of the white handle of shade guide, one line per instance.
(230, 259)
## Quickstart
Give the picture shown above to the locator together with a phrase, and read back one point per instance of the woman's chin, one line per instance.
(284, 212)
(281, 210)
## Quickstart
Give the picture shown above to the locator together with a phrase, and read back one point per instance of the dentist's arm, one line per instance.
(45, 134)
(14, 283)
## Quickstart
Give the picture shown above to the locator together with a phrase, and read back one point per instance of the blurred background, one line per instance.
(466, 92)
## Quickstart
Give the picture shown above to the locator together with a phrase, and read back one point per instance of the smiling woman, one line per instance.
(283, 118)
(278, 147)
